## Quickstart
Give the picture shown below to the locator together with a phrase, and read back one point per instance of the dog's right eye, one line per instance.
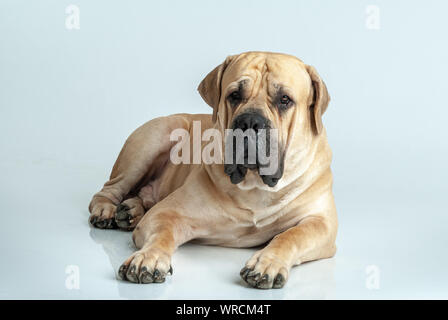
(234, 98)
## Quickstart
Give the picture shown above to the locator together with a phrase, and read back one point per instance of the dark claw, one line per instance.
(158, 276)
(244, 272)
(104, 224)
(122, 271)
(263, 282)
(101, 224)
(145, 276)
(171, 270)
(93, 219)
(123, 224)
(279, 281)
(111, 224)
(252, 278)
(131, 275)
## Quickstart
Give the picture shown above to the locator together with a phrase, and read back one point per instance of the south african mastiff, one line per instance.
(229, 204)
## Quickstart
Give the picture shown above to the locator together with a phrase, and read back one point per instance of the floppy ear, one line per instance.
(320, 101)
(210, 87)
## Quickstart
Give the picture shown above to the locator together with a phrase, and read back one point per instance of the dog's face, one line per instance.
(260, 91)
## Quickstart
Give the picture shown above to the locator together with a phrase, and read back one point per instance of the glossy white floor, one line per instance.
(44, 231)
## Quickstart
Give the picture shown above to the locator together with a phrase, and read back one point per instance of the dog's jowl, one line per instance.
(273, 105)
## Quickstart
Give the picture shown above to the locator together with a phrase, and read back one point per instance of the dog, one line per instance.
(291, 209)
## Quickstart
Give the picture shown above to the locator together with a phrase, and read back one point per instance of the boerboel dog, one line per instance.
(169, 204)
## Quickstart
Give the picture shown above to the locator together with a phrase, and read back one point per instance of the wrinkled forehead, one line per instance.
(273, 70)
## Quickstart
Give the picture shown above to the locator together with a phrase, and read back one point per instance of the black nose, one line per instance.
(247, 121)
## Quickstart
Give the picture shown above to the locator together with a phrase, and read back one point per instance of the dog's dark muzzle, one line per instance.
(250, 139)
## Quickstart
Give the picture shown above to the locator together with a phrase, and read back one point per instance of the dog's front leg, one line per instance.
(157, 236)
(313, 238)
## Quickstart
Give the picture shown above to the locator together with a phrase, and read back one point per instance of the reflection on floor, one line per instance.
(213, 267)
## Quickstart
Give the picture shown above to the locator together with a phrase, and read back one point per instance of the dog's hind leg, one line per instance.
(143, 155)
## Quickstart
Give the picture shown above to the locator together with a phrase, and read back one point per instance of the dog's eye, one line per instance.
(234, 98)
(285, 100)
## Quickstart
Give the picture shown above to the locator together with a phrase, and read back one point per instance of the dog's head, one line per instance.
(261, 91)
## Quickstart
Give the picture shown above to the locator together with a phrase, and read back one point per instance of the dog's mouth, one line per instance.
(238, 172)
(253, 145)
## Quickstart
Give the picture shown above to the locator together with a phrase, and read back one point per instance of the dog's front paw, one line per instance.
(146, 266)
(265, 271)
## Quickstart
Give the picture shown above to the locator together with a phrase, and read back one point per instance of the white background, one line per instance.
(69, 99)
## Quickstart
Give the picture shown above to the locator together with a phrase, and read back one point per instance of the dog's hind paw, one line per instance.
(129, 213)
(102, 216)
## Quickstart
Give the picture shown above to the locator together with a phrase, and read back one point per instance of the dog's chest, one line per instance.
(261, 210)
(246, 227)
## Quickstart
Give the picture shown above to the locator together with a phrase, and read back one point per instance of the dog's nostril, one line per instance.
(258, 126)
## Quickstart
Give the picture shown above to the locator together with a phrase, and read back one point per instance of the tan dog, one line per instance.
(170, 204)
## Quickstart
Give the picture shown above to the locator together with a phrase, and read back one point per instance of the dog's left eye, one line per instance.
(234, 98)
(285, 100)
